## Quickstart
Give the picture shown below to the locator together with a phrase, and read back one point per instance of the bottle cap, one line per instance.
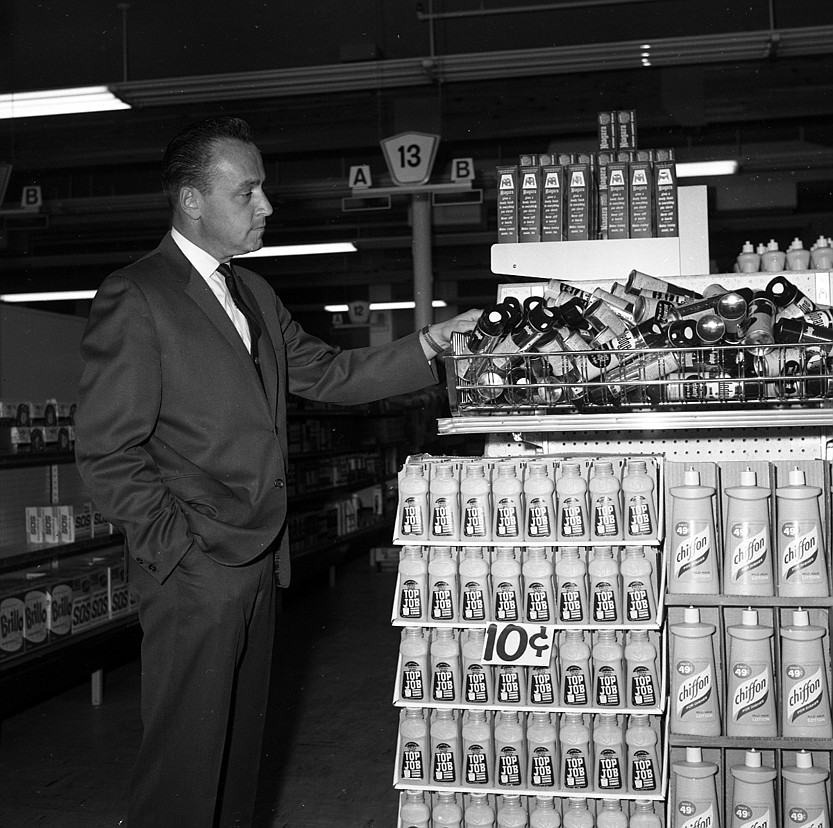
(752, 759)
(693, 754)
(691, 477)
(801, 618)
(804, 759)
(749, 618)
(773, 245)
(796, 477)
(748, 478)
(691, 615)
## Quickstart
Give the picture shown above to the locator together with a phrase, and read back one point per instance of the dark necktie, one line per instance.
(251, 318)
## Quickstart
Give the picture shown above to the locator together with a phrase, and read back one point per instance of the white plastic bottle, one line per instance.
(507, 501)
(641, 674)
(753, 793)
(695, 791)
(412, 511)
(507, 595)
(414, 812)
(442, 585)
(644, 816)
(539, 505)
(802, 570)
(605, 503)
(447, 812)
(609, 771)
(476, 504)
(444, 503)
(805, 694)
(640, 599)
(611, 815)
(694, 700)
(578, 814)
(478, 812)
(571, 587)
(572, 520)
(478, 748)
(576, 762)
(605, 592)
(413, 585)
(639, 498)
(415, 673)
(414, 746)
(644, 771)
(510, 684)
(574, 680)
(476, 676)
(539, 598)
(542, 683)
(693, 564)
(511, 813)
(544, 813)
(475, 593)
(446, 668)
(608, 670)
(444, 733)
(542, 751)
(510, 750)
(805, 793)
(747, 549)
(750, 702)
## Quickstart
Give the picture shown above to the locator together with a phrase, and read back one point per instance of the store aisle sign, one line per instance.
(526, 644)
(410, 156)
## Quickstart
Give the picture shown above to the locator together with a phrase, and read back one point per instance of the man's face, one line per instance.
(232, 215)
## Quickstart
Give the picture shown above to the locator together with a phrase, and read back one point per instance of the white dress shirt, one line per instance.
(206, 265)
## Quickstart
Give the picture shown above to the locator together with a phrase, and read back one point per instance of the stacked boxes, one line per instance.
(619, 192)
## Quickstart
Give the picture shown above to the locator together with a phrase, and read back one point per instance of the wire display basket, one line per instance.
(598, 381)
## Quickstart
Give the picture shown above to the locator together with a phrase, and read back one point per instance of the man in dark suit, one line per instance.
(181, 441)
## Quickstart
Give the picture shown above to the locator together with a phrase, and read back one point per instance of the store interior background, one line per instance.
(323, 83)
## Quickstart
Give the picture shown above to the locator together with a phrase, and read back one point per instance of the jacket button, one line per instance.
(140, 561)
(152, 567)
(279, 483)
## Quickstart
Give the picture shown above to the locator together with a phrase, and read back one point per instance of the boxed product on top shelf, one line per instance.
(647, 344)
(618, 192)
(543, 500)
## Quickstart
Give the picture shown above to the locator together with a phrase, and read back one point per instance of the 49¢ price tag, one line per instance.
(529, 644)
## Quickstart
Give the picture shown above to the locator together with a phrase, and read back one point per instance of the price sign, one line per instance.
(410, 156)
(529, 644)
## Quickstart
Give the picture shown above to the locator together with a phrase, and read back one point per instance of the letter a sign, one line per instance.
(410, 156)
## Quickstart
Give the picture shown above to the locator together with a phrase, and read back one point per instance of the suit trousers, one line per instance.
(206, 663)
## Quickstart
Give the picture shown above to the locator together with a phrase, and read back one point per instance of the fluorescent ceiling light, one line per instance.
(696, 169)
(301, 250)
(47, 296)
(380, 306)
(59, 102)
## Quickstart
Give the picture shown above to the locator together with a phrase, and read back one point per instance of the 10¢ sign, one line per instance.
(410, 156)
(529, 644)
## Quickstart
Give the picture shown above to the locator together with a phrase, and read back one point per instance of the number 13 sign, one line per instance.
(410, 156)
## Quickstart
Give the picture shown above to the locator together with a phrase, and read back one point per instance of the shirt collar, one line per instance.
(204, 263)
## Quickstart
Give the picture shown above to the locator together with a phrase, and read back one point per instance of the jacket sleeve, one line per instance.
(322, 372)
(118, 404)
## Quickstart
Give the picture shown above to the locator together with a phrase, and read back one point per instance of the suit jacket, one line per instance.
(176, 440)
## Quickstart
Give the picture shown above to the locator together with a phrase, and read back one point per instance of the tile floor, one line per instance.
(331, 735)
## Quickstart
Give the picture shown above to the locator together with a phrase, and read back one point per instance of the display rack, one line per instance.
(690, 433)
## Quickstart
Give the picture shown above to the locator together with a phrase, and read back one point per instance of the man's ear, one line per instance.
(190, 202)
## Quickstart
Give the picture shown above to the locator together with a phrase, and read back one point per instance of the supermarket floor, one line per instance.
(331, 735)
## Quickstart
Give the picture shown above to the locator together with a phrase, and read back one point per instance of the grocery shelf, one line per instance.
(639, 421)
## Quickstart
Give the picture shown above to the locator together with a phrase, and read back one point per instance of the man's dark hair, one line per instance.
(189, 157)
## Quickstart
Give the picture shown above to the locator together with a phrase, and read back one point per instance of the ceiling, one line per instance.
(323, 83)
